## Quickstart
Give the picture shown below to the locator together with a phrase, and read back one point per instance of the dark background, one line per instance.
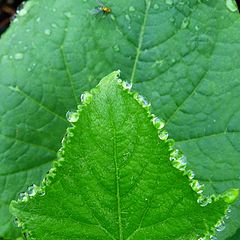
(8, 9)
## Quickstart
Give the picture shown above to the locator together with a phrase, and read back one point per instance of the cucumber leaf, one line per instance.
(113, 179)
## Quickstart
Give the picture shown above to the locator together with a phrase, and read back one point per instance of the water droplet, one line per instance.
(228, 213)
(127, 17)
(32, 190)
(158, 123)
(112, 17)
(142, 100)
(72, 116)
(197, 28)
(131, 9)
(220, 226)
(23, 196)
(231, 5)
(171, 143)
(116, 48)
(156, 6)
(18, 56)
(196, 186)
(127, 85)
(185, 23)
(38, 19)
(68, 14)
(190, 174)
(53, 25)
(26, 235)
(22, 12)
(213, 238)
(163, 135)
(204, 201)
(86, 97)
(41, 192)
(169, 2)
(16, 222)
(47, 32)
(172, 19)
(175, 154)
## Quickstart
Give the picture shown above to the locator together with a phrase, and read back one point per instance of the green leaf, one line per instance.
(114, 180)
(184, 61)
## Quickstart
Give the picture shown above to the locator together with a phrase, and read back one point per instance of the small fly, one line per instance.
(101, 9)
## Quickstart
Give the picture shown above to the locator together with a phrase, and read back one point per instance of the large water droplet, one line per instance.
(72, 116)
(142, 100)
(158, 123)
(18, 56)
(231, 5)
(47, 32)
(163, 135)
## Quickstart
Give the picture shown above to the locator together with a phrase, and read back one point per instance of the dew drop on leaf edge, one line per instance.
(72, 116)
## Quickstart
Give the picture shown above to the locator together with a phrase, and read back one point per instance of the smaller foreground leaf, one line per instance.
(114, 180)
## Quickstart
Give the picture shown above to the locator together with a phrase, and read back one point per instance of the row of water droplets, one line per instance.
(178, 159)
(73, 116)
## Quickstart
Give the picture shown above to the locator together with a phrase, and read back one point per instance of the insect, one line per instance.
(101, 8)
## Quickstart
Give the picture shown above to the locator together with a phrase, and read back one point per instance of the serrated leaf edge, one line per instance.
(177, 158)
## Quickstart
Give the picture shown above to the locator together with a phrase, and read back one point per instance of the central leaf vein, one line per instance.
(117, 185)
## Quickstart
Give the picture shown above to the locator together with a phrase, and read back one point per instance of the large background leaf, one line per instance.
(183, 56)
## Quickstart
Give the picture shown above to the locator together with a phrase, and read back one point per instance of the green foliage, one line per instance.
(183, 60)
(114, 180)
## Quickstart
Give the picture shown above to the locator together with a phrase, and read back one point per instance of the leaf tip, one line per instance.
(231, 195)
